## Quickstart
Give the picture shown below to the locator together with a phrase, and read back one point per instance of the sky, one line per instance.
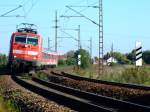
(125, 22)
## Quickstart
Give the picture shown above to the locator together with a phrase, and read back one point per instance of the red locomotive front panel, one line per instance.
(26, 46)
(26, 50)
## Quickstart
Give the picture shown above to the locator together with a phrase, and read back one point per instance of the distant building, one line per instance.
(96, 62)
(111, 60)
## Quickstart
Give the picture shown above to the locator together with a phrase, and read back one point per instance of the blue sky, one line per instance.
(125, 21)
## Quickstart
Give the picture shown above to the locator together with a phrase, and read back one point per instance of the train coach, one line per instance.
(26, 50)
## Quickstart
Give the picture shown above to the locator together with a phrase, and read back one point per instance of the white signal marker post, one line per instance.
(138, 49)
(79, 60)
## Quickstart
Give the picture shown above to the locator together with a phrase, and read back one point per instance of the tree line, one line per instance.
(122, 58)
(72, 58)
(3, 59)
(129, 58)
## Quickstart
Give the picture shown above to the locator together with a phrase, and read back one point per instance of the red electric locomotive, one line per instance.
(26, 49)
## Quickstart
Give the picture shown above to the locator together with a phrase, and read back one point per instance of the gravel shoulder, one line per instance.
(26, 100)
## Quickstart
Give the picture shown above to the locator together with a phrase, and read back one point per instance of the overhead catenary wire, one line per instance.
(32, 5)
(10, 11)
(82, 15)
(22, 5)
(70, 36)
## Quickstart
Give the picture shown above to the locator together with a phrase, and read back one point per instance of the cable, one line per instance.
(70, 36)
(26, 13)
(11, 10)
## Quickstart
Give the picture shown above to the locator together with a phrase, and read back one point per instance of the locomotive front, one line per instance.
(25, 48)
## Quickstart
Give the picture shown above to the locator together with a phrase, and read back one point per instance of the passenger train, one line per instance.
(26, 50)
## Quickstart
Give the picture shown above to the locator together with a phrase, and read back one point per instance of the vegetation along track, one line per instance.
(79, 100)
(132, 86)
(126, 92)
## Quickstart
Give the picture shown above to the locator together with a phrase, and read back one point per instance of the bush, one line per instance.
(135, 75)
(61, 62)
(130, 75)
(71, 61)
(3, 59)
(113, 64)
(85, 58)
(146, 57)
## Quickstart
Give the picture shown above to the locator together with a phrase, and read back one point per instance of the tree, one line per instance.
(3, 59)
(131, 56)
(122, 58)
(96, 58)
(70, 58)
(70, 54)
(85, 58)
(146, 56)
(107, 56)
(61, 62)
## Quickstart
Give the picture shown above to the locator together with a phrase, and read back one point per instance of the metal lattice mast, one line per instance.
(100, 37)
(79, 41)
(48, 44)
(91, 48)
(56, 28)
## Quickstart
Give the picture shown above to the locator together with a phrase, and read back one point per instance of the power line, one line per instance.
(20, 6)
(4, 15)
(70, 36)
(82, 15)
(33, 4)
(100, 25)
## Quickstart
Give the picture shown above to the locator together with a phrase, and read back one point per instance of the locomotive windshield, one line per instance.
(26, 40)
(20, 39)
(32, 40)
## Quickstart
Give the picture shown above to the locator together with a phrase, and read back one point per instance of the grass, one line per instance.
(8, 106)
(120, 73)
(25, 76)
(42, 76)
(130, 75)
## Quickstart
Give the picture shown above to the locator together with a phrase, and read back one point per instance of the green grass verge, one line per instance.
(8, 106)
(122, 74)
(42, 76)
(130, 75)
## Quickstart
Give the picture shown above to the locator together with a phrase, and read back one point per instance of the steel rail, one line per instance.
(99, 100)
(126, 85)
(77, 104)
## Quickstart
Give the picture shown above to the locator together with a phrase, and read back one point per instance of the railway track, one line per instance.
(79, 100)
(132, 86)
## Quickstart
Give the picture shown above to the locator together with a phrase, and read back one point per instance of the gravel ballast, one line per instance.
(26, 100)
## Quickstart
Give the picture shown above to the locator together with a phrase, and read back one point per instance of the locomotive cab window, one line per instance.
(20, 39)
(32, 41)
(26, 40)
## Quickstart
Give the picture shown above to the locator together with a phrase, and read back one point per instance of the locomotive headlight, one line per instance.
(15, 56)
(26, 46)
(32, 53)
(34, 58)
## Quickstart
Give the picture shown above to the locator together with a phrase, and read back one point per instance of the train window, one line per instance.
(20, 39)
(45, 56)
(32, 41)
